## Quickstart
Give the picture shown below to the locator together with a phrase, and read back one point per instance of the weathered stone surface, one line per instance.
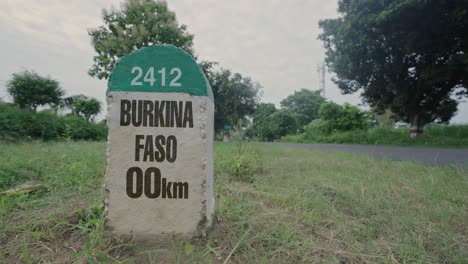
(159, 179)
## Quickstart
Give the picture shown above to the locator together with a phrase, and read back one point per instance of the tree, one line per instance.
(305, 103)
(30, 90)
(285, 123)
(235, 96)
(138, 24)
(263, 126)
(408, 56)
(81, 105)
(270, 124)
(341, 118)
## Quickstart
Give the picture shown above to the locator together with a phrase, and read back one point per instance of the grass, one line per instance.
(433, 136)
(303, 206)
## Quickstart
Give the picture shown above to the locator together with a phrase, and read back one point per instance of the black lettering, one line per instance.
(188, 114)
(160, 155)
(150, 190)
(137, 113)
(180, 188)
(171, 148)
(176, 113)
(158, 113)
(149, 150)
(166, 189)
(130, 182)
(125, 108)
(138, 146)
(168, 113)
(148, 116)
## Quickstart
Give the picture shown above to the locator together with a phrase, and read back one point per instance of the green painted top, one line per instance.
(159, 69)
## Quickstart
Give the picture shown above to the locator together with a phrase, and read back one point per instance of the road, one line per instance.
(432, 156)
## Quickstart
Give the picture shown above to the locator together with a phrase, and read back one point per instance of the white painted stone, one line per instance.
(160, 220)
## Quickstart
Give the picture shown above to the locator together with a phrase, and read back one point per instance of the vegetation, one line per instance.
(84, 106)
(235, 96)
(19, 121)
(19, 124)
(139, 23)
(408, 56)
(305, 103)
(243, 162)
(30, 90)
(303, 207)
(262, 125)
(434, 136)
(284, 122)
(347, 124)
(298, 109)
(339, 118)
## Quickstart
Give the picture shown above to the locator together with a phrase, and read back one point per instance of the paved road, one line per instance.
(433, 156)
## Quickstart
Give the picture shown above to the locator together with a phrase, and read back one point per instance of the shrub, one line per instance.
(434, 135)
(17, 124)
(342, 118)
(82, 129)
(317, 127)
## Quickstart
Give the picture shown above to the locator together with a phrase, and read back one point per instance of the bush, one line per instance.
(434, 135)
(17, 124)
(342, 118)
(78, 128)
(317, 127)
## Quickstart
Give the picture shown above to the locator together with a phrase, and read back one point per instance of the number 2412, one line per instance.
(149, 76)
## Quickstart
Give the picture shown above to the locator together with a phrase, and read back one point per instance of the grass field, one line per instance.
(295, 206)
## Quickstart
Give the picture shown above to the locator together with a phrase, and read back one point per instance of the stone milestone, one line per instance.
(159, 178)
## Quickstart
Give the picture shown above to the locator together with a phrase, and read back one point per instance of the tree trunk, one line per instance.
(417, 126)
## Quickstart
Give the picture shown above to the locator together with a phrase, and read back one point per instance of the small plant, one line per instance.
(242, 162)
(67, 134)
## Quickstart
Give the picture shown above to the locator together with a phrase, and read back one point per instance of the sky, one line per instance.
(272, 41)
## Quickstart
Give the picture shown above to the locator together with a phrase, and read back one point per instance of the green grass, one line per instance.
(302, 206)
(433, 136)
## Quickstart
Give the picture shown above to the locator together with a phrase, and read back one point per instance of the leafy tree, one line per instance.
(285, 122)
(270, 124)
(341, 118)
(263, 126)
(305, 103)
(83, 106)
(235, 96)
(138, 24)
(30, 90)
(408, 56)
(330, 111)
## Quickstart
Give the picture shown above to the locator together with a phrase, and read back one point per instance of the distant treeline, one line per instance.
(20, 124)
(434, 135)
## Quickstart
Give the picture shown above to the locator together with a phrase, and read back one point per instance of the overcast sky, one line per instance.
(272, 41)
